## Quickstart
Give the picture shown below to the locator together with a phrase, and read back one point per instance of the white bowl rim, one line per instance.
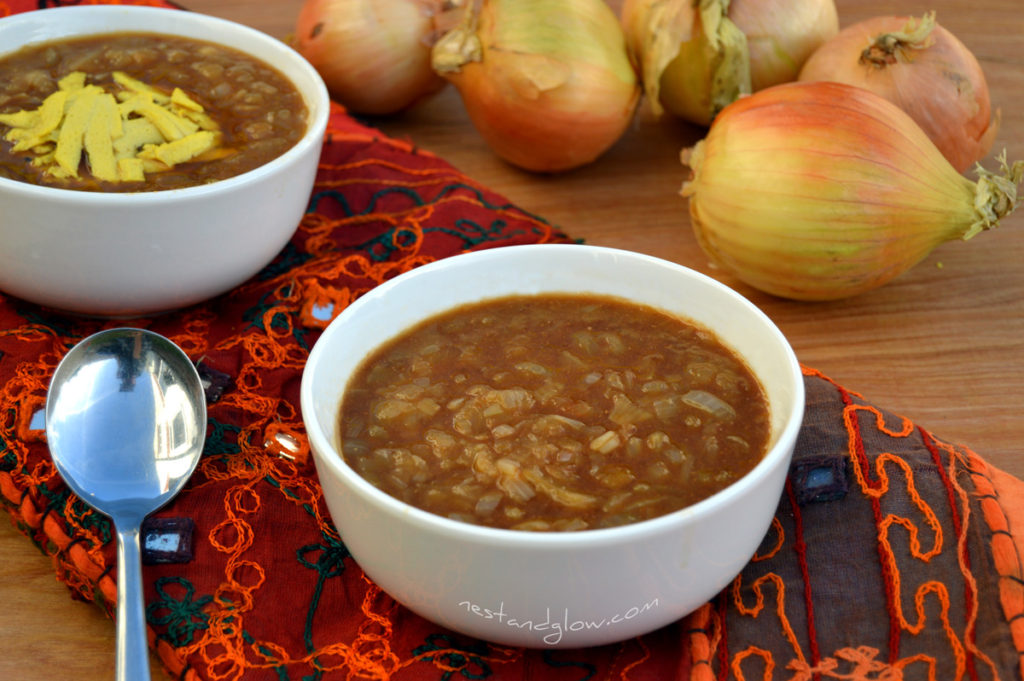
(557, 540)
(318, 106)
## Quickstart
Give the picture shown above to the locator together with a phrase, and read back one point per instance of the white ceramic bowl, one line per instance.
(132, 254)
(554, 589)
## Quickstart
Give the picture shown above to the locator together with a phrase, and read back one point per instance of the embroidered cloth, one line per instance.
(893, 554)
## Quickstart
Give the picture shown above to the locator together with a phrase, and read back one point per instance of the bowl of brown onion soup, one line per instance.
(552, 445)
(149, 158)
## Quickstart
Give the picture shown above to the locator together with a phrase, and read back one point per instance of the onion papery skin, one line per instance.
(781, 35)
(668, 41)
(550, 87)
(941, 85)
(821, 191)
(374, 55)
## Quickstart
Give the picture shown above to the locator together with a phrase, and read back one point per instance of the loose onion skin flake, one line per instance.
(553, 413)
(697, 57)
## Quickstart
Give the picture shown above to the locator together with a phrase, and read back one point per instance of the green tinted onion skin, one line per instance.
(696, 58)
(548, 84)
(820, 191)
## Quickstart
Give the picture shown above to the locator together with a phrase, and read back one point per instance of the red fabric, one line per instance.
(886, 559)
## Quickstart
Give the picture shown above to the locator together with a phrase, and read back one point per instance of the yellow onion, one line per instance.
(818, 191)
(698, 56)
(548, 84)
(374, 55)
(922, 68)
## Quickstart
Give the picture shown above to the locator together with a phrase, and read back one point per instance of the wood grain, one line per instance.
(940, 345)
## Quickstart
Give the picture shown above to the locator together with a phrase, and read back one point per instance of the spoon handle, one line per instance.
(132, 662)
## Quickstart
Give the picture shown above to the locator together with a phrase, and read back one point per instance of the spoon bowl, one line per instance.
(125, 424)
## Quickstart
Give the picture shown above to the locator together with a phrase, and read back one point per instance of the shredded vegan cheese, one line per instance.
(122, 135)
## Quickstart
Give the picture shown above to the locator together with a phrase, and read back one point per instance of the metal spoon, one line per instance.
(125, 423)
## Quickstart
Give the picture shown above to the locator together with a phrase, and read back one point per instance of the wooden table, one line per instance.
(941, 345)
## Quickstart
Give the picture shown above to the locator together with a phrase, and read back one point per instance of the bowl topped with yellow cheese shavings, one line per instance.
(149, 158)
(140, 112)
(119, 137)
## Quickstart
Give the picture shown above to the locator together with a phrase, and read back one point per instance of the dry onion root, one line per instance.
(818, 191)
(698, 57)
(374, 55)
(548, 84)
(922, 68)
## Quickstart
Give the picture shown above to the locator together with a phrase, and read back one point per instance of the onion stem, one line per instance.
(460, 45)
(995, 195)
(916, 35)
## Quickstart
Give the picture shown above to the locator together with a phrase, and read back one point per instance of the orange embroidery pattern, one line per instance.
(910, 505)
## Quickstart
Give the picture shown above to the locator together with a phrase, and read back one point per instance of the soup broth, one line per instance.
(553, 413)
